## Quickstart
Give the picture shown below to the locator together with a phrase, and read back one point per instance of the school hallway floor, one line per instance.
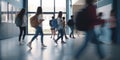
(11, 50)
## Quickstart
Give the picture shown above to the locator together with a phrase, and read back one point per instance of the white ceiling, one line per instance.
(78, 2)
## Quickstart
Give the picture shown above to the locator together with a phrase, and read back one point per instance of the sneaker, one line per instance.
(56, 41)
(70, 36)
(36, 38)
(20, 43)
(43, 45)
(29, 45)
(73, 37)
(63, 42)
(66, 37)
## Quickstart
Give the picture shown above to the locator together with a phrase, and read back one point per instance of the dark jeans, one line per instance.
(38, 31)
(72, 30)
(60, 34)
(22, 29)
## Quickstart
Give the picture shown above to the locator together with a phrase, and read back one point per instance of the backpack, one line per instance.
(50, 23)
(18, 22)
(34, 21)
(54, 23)
(70, 23)
(82, 21)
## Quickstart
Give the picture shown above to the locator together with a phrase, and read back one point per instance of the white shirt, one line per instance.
(60, 23)
(40, 17)
(24, 22)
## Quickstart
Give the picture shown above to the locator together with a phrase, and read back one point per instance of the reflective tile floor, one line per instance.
(11, 50)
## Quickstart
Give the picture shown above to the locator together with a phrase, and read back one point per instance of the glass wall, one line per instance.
(8, 12)
(32, 5)
(4, 9)
(49, 9)
(60, 5)
(48, 6)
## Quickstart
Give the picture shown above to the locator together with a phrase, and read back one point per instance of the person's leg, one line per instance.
(54, 32)
(36, 34)
(98, 46)
(20, 29)
(70, 32)
(82, 48)
(59, 35)
(24, 29)
(65, 34)
(100, 51)
(41, 33)
(51, 33)
(62, 34)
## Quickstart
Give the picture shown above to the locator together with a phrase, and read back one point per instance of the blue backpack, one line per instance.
(54, 23)
(18, 22)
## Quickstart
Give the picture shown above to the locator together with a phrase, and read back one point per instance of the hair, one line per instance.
(100, 14)
(60, 14)
(71, 16)
(21, 13)
(53, 17)
(39, 11)
(63, 17)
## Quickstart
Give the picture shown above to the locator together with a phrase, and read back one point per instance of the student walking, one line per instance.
(60, 28)
(53, 24)
(38, 28)
(21, 22)
(64, 27)
(90, 33)
(70, 23)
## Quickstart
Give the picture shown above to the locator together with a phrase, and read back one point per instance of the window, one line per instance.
(48, 10)
(32, 5)
(60, 5)
(4, 15)
(8, 12)
(48, 6)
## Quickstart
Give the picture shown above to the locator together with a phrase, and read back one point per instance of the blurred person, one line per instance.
(100, 14)
(51, 28)
(60, 28)
(22, 24)
(99, 17)
(112, 22)
(54, 25)
(90, 33)
(39, 29)
(70, 23)
(64, 27)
